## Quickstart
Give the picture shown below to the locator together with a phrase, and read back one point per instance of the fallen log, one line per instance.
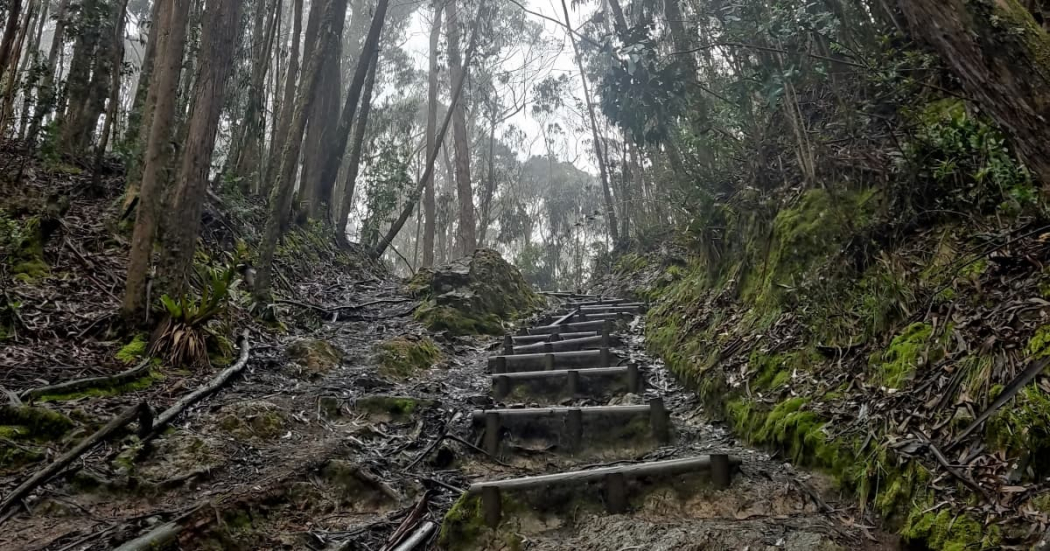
(169, 415)
(140, 411)
(418, 537)
(77, 385)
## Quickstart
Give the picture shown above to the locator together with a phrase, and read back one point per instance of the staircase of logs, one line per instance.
(568, 358)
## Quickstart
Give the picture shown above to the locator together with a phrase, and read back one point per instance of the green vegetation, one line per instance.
(402, 357)
(913, 348)
(314, 357)
(397, 408)
(35, 422)
(133, 352)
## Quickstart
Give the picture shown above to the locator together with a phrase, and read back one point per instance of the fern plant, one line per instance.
(187, 334)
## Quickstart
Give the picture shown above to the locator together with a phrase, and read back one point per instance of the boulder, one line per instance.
(473, 295)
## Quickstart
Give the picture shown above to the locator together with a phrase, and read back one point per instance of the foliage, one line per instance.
(187, 335)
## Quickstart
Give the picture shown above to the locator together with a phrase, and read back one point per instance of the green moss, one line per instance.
(40, 423)
(1023, 427)
(911, 349)
(402, 357)
(463, 524)
(136, 385)
(942, 530)
(314, 357)
(133, 352)
(457, 322)
(630, 263)
(1039, 344)
(398, 408)
(775, 371)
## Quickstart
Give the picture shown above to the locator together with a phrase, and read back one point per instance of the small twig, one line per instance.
(477, 449)
(1019, 382)
(977, 489)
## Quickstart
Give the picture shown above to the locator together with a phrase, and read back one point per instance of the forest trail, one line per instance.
(321, 446)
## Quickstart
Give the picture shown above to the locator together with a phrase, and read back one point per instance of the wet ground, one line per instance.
(296, 454)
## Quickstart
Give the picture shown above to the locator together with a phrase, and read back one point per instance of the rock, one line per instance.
(313, 357)
(175, 456)
(473, 295)
(391, 408)
(247, 420)
(402, 357)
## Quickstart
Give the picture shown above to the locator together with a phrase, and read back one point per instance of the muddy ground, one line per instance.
(308, 451)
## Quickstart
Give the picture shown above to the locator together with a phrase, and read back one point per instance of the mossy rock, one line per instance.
(134, 351)
(175, 455)
(913, 348)
(313, 357)
(392, 408)
(25, 422)
(402, 357)
(473, 295)
(253, 420)
(15, 456)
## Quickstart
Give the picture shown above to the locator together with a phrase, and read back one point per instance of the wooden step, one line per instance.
(533, 339)
(596, 325)
(568, 422)
(629, 308)
(597, 302)
(579, 359)
(570, 382)
(611, 316)
(560, 345)
(613, 480)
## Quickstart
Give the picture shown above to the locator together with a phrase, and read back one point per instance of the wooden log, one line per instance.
(565, 319)
(169, 415)
(628, 307)
(556, 360)
(614, 316)
(574, 424)
(503, 386)
(616, 493)
(421, 535)
(492, 432)
(508, 345)
(533, 339)
(567, 327)
(562, 345)
(656, 468)
(77, 385)
(522, 376)
(157, 538)
(720, 471)
(600, 302)
(634, 379)
(492, 504)
(659, 420)
(140, 411)
(486, 414)
(573, 382)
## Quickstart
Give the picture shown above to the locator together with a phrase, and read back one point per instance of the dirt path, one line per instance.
(319, 448)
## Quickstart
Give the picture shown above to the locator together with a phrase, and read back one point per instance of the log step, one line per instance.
(611, 316)
(533, 339)
(626, 307)
(596, 302)
(560, 345)
(596, 325)
(612, 479)
(567, 423)
(570, 382)
(580, 359)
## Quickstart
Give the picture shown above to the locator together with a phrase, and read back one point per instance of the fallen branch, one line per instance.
(67, 387)
(409, 524)
(157, 538)
(140, 412)
(417, 538)
(969, 482)
(169, 415)
(1019, 382)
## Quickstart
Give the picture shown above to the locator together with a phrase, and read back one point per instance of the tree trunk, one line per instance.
(432, 143)
(621, 22)
(33, 84)
(330, 28)
(466, 237)
(284, 122)
(113, 106)
(7, 44)
(172, 42)
(998, 51)
(330, 168)
(610, 211)
(47, 94)
(490, 186)
(356, 148)
(218, 44)
(246, 149)
(428, 171)
(12, 70)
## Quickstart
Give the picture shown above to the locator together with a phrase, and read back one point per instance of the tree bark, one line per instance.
(172, 42)
(330, 168)
(246, 150)
(432, 143)
(998, 51)
(7, 44)
(284, 121)
(428, 171)
(47, 93)
(331, 28)
(610, 211)
(356, 147)
(490, 185)
(218, 44)
(113, 105)
(466, 236)
(11, 72)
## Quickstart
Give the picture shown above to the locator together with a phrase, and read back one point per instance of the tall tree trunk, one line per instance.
(12, 72)
(330, 168)
(47, 94)
(113, 106)
(330, 28)
(218, 44)
(466, 237)
(356, 147)
(284, 121)
(998, 51)
(245, 150)
(432, 143)
(140, 118)
(610, 211)
(490, 185)
(7, 44)
(165, 82)
(32, 90)
(428, 171)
